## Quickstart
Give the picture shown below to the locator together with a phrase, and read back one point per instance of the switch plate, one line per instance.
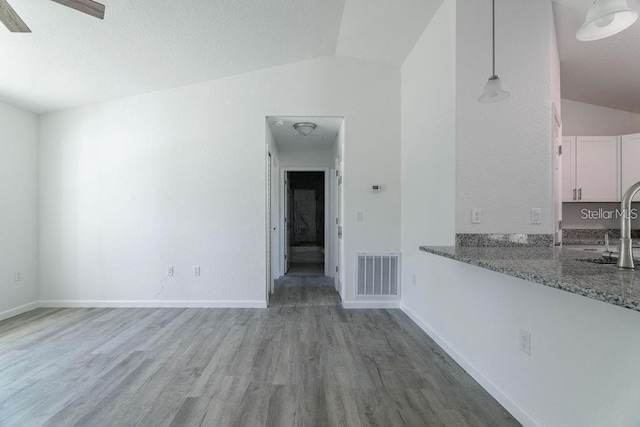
(196, 271)
(359, 216)
(476, 215)
(413, 279)
(170, 271)
(525, 342)
(536, 216)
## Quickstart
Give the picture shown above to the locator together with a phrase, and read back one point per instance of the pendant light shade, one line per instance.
(606, 18)
(493, 90)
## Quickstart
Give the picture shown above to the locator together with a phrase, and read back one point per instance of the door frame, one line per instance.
(556, 173)
(328, 246)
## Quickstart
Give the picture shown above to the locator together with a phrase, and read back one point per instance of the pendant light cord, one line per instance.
(493, 26)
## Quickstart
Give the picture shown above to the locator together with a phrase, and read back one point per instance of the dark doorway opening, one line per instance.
(306, 214)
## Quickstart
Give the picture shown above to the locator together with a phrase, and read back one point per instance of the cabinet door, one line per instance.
(630, 163)
(597, 176)
(568, 168)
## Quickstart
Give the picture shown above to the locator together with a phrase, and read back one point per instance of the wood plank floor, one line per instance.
(304, 361)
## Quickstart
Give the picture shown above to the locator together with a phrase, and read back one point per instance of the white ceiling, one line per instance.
(603, 72)
(381, 30)
(73, 59)
(288, 139)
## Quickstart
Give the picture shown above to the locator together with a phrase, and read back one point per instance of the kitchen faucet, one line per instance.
(625, 250)
(626, 245)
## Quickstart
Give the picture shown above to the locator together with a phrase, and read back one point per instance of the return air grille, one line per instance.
(377, 275)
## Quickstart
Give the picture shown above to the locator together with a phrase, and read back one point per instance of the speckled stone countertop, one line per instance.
(558, 268)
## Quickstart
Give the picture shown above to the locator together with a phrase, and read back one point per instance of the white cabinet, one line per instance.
(629, 162)
(590, 170)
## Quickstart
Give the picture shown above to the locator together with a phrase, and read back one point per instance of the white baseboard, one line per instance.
(19, 310)
(152, 304)
(507, 402)
(370, 304)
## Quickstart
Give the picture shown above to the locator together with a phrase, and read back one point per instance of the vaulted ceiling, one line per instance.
(73, 59)
(603, 72)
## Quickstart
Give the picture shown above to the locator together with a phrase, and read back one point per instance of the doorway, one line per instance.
(305, 218)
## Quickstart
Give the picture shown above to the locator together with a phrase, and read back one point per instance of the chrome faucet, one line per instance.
(625, 259)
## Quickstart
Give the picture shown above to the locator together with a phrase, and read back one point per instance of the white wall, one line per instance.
(18, 210)
(308, 158)
(503, 150)
(583, 369)
(554, 70)
(428, 148)
(130, 187)
(580, 119)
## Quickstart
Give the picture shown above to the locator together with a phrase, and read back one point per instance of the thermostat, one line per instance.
(376, 188)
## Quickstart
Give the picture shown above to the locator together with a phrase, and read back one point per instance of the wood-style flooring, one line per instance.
(304, 361)
(306, 269)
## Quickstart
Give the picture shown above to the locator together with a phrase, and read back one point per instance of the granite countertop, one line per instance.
(556, 267)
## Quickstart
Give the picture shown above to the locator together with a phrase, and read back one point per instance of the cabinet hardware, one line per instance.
(574, 194)
(580, 194)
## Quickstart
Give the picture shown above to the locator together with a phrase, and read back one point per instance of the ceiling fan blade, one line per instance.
(11, 20)
(89, 7)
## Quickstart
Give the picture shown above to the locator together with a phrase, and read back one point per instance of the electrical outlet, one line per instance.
(196, 271)
(525, 342)
(18, 276)
(170, 271)
(476, 215)
(536, 216)
(359, 216)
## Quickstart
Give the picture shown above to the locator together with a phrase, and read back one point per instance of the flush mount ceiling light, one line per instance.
(606, 18)
(493, 91)
(304, 128)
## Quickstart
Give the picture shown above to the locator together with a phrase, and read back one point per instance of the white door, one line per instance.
(597, 176)
(569, 190)
(630, 163)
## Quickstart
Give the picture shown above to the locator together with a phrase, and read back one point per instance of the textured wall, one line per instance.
(18, 209)
(132, 186)
(503, 150)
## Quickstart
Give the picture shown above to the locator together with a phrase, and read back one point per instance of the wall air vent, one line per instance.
(377, 275)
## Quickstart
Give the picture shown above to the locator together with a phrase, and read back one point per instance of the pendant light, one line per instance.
(493, 91)
(606, 18)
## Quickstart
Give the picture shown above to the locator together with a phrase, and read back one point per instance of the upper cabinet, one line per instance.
(590, 170)
(630, 162)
